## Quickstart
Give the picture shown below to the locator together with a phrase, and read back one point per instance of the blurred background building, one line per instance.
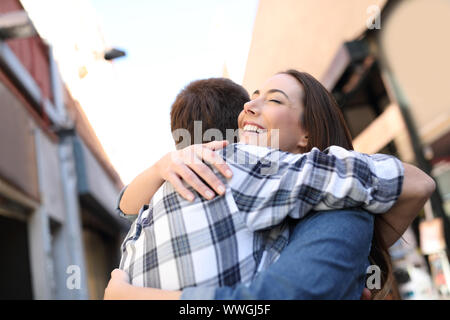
(387, 64)
(57, 186)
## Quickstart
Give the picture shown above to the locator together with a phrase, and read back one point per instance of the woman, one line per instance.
(300, 114)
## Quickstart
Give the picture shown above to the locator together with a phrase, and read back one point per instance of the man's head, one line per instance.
(216, 102)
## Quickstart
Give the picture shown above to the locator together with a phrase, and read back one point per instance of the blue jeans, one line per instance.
(326, 258)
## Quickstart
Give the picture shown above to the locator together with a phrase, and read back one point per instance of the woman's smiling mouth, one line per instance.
(253, 128)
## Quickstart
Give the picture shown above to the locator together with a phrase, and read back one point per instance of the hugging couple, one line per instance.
(210, 221)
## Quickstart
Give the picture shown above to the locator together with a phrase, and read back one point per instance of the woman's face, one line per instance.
(272, 117)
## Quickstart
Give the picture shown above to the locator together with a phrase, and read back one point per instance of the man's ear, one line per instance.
(303, 142)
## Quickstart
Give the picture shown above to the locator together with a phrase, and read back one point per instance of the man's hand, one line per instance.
(118, 286)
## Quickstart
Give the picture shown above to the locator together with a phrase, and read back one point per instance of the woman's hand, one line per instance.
(187, 164)
(173, 167)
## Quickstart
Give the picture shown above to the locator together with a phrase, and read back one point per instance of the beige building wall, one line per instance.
(415, 44)
(302, 34)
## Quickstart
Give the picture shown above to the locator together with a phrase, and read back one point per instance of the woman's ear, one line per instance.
(303, 142)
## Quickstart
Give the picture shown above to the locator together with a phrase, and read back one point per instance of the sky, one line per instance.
(168, 44)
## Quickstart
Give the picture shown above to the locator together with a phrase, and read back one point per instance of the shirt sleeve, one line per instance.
(373, 182)
(279, 184)
(129, 217)
(326, 258)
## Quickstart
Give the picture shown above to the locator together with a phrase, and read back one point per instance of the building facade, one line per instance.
(60, 235)
(386, 62)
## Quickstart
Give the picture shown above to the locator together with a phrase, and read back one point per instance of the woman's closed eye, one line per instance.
(276, 101)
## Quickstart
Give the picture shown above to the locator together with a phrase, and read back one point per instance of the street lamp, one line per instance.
(113, 53)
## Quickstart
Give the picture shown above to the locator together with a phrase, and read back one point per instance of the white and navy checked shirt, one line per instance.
(174, 244)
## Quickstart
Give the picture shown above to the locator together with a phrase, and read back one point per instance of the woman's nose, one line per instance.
(251, 107)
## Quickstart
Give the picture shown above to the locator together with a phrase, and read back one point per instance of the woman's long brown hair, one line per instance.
(325, 124)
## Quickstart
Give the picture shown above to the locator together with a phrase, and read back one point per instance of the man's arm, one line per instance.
(333, 179)
(417, 189)
(337, 179)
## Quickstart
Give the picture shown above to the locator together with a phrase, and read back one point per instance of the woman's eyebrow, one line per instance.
(278, 90)
(272, 91)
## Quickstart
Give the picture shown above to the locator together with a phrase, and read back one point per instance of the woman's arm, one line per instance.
(173, 167)
(141, 190)
(417, 189)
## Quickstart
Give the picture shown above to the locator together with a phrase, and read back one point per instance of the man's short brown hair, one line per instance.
(216, 102)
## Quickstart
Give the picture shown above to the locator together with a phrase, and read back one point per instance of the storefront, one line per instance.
(389, 111)
(57, 188)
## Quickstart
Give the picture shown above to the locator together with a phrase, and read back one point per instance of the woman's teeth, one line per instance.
(252, 128)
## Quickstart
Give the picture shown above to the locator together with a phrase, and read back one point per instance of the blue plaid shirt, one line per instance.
(175, 244)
